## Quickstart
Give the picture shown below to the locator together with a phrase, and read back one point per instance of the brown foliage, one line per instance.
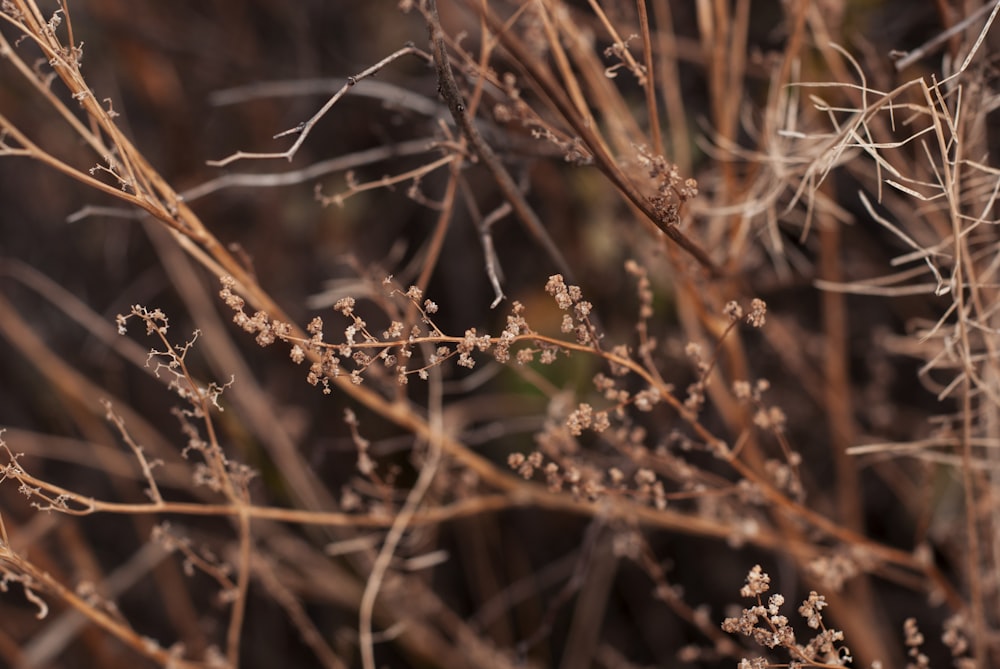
(534, 328)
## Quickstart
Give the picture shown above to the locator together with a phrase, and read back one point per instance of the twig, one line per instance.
(147, 467)
(435, 451)
(297, 614)
(908, 58)
(604, 161)
(493, 269)
(649, 81)
(453, 98)
(441, 228)
(391, 95)
(36, 580)
(383, 182)
(303, 129)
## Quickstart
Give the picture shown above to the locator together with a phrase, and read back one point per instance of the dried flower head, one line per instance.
(758, 312)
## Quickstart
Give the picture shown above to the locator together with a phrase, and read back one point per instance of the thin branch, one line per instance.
(666, 222)
(908, 58)
(403, 518)
(649, 82)
(459, 112)
(303, 129)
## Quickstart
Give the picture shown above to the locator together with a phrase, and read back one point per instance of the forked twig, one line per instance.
(303, 129)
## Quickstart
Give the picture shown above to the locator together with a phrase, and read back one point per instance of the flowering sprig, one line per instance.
(765, 624)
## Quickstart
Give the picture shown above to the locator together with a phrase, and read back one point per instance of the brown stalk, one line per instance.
(453, 98)
(649, 84)
(35, 579)
(602, 159)
(576, 91)
(603, 95)
(669, 85)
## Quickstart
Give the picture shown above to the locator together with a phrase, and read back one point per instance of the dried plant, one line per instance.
(559, 320)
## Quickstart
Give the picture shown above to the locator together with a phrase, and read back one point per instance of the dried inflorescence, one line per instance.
(632, 441)
(215, 470)
(914, 640)
(613, 421)
(956, 638)
(360, 349)
(758, 313)
(765, 624)
(171, 360)
(584, 481)
(672, 190)
(569, 298)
